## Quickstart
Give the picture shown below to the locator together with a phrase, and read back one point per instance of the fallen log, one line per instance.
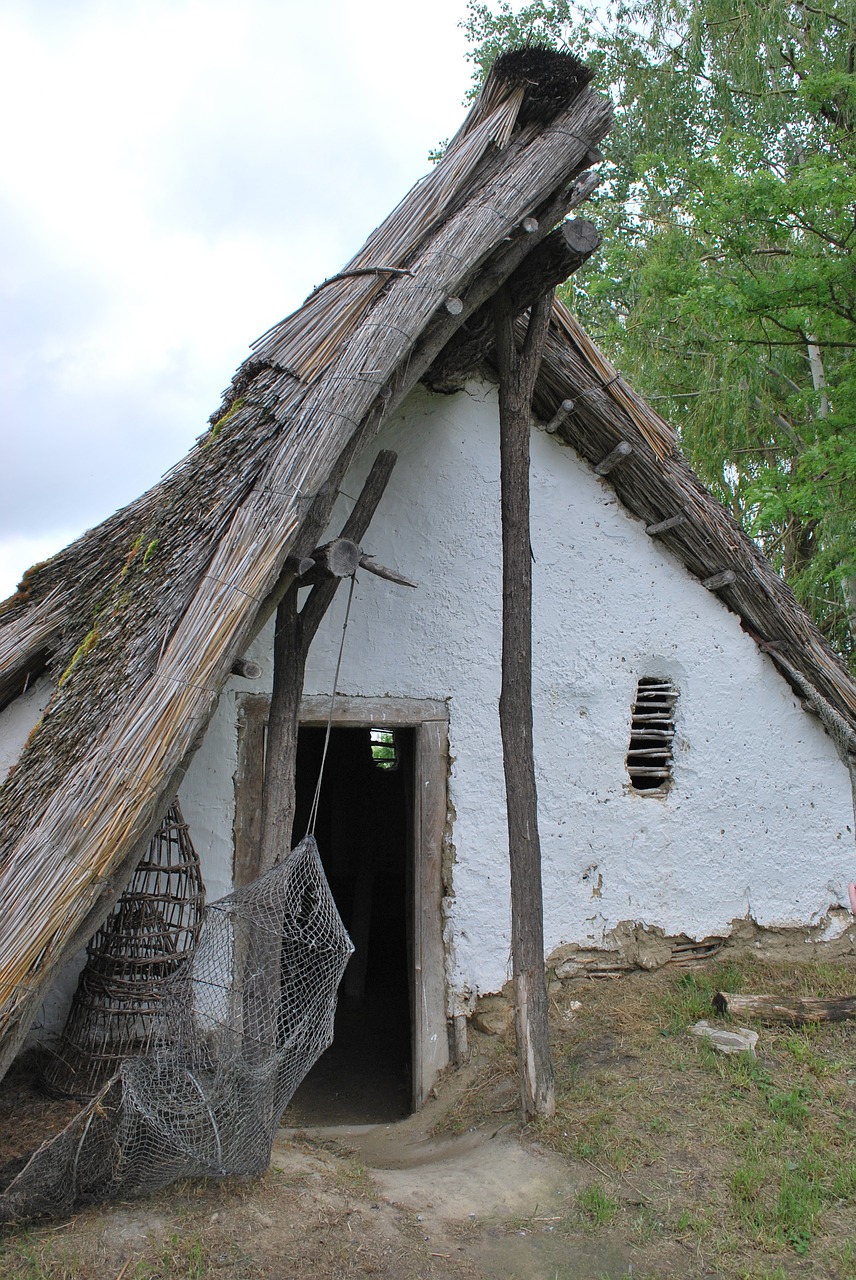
(793, 1010)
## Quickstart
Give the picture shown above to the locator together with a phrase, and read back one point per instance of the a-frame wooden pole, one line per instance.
(518, 369)
(295, 630)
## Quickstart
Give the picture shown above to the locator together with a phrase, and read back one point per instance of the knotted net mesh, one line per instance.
(243, 1022)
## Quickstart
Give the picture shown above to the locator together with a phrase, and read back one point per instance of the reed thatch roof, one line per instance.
(141, 619)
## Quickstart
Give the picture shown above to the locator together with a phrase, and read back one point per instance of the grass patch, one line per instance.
(596, 1206)
(36, 1256)
(693, 1163)
(750, 1163)
(29, 1258)
(690, 997)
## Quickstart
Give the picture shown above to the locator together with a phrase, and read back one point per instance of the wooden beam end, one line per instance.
(722, 579)
(619, 454)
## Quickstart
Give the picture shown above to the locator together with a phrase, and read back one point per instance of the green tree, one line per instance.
(726, 287)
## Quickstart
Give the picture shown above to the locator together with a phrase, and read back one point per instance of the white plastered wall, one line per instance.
(18, 720)
(758, 821)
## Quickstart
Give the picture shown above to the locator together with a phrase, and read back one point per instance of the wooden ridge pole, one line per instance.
(518, 370)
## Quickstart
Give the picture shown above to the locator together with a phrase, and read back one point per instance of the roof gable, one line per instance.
(143, 617)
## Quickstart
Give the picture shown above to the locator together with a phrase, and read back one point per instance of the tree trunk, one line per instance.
(518, 370)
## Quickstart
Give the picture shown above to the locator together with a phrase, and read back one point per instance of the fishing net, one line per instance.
(247, 1016)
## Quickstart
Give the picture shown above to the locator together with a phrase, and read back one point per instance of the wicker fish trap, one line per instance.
(115, 1013)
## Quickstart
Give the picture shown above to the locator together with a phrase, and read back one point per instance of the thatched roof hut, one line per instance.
(141, 620)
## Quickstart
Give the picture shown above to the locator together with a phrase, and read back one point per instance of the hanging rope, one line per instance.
(313, 813)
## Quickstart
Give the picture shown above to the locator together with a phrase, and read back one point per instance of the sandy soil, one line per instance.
(389, 1200)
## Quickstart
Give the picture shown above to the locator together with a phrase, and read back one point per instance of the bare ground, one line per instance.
(664, 1160)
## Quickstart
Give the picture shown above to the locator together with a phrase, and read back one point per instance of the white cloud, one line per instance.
(180, 174)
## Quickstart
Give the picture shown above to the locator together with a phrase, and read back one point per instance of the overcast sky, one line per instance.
(177, 175)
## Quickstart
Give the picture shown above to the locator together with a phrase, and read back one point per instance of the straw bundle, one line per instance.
(305, 342)
(167, 593)
(656, 431)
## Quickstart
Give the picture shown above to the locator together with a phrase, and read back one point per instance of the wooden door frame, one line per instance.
(429, 721)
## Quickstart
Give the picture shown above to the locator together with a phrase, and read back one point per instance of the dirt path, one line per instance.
(342, 1203)
(384, 1200)
(479, 1200)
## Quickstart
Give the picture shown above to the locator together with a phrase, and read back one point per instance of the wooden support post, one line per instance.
(278, 795)
(355, 528)
(621, 451)
(517, 372)
(293, 636)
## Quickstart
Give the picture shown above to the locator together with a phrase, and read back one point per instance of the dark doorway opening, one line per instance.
(365, 835)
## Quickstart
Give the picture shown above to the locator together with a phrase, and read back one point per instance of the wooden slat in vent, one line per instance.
(652, 732)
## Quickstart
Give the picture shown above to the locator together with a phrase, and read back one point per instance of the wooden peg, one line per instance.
(246, 668)
(721, 579)
(559, 417)
(381, 571)
(663, 526)
(621, 451)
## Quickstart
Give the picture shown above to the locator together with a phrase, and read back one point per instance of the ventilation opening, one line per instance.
(652, 732)
(384, 748)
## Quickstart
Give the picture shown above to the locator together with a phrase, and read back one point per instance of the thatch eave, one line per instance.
(708, 541)
(656, 484)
